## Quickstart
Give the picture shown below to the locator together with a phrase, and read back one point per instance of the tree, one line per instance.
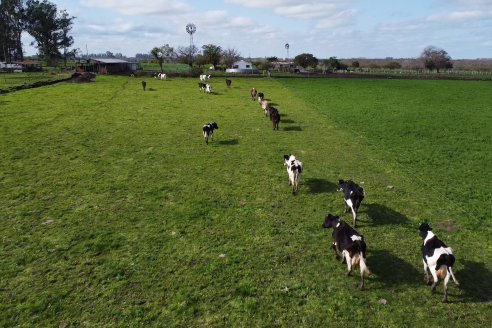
(229, 56)
(48, 28)
(435, 58)
(356, 64)
(333, 64)
(163, 53)
(185, 55)
(392, 65)
(272, 59)
(11, 26)
(213, 53)
(306, 60)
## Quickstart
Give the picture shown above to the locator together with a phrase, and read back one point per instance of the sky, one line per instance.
(262, 28)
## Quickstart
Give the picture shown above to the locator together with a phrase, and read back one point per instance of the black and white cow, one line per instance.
(437, 258)
(144, 85)
(208, 131)
(261, 97)
(202, 86)
(228, 83)
(350, 244)
(353, 195)
(294, 169)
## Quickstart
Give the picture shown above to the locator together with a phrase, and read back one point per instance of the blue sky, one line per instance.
(261, 28)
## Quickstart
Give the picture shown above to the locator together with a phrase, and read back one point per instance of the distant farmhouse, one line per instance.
(242, 66)
(107, 66)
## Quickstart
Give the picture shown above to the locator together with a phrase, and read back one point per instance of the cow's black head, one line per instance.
(330, 221)
(341, 184)
(214, 125)
(423, 229)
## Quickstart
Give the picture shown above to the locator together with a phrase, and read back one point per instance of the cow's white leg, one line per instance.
(446, 280)
(434, 276)
(349, 262)
(426, 272)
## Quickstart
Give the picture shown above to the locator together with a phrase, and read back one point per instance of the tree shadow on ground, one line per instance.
(319, 186)
(383, 215)
(390, 270)
(475, 282)
(230, 142)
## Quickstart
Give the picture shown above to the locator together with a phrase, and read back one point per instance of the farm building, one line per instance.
(242, 66)
(283, 66)
(107, 65)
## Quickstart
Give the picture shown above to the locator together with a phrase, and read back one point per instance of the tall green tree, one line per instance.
(49, 28)
(306, 60)
(229, 56)
(213, 53)
(436, 59)
(11, 26)
(163, 53)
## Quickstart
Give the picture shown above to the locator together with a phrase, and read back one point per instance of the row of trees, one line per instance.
(49, 27)
(211, 54)
(432, 57)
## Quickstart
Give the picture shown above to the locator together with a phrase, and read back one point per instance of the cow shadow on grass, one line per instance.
(151, 89)
(382, 215)
(288, 121)
(319, 186)
(475, 282)
(292, 128)
(392, 271)
(230, 142)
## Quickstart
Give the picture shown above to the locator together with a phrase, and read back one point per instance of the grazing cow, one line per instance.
(132, 74)
(208, 88)
(228, 83)
(353, 195)
(294, 169)
(208, 131)
(144, 85)
(162, 76)
(348, 242)
(253, 94)
(274, 117)
(437, 258)
(261, 96)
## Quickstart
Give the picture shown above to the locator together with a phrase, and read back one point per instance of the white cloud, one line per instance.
(149, 7)
(460, 16)
(323, 13)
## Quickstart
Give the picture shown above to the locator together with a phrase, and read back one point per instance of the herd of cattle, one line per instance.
(438, 259)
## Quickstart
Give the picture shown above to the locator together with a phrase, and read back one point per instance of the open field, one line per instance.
(115, 212)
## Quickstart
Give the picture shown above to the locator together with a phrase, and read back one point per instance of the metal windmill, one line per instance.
(190, 29)
(287, 48)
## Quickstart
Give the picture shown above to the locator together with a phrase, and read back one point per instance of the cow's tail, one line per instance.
(363, 265)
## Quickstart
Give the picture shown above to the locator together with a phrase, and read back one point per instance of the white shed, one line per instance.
(242, 66)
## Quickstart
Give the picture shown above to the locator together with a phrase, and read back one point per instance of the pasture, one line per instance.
(116, 213)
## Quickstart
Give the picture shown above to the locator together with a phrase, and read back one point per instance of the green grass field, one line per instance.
(115, 212)
(10, 80)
